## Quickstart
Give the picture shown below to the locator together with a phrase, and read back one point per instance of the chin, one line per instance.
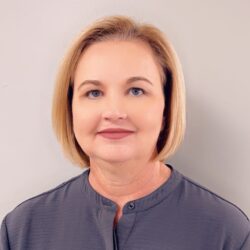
(116, 159)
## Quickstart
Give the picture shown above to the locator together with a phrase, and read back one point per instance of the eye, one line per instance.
(96, 91)
(137, 90)
(92, 91)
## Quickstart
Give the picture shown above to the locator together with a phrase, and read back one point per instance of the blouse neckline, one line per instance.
(143, 203)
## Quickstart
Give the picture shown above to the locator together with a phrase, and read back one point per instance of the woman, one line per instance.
(119, 110)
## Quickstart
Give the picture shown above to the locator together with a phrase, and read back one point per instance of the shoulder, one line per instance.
(212, 209)
(47, 202)
(204, 196)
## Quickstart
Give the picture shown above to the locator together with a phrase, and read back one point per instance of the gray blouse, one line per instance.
(179, 215)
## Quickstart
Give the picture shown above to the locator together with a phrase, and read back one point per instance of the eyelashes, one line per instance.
(87, 94)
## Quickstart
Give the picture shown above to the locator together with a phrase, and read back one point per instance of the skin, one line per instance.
(121, 170)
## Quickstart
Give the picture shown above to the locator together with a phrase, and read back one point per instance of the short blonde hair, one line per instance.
(122, 28)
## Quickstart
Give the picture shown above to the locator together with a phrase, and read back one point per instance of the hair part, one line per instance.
(121, 28)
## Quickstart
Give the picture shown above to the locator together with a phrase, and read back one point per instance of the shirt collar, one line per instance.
(137, 205)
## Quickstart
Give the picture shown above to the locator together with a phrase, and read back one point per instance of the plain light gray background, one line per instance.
(212, 40)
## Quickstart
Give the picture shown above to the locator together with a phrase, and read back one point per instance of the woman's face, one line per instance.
(135, 105)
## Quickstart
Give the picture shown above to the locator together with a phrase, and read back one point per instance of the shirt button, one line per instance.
(131, 205)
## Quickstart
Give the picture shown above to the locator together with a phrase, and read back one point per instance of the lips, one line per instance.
(115, 130)
(115, 133)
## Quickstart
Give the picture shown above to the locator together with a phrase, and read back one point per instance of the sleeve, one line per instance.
(246, 244)
(4, 241)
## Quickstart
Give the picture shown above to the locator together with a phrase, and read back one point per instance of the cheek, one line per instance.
(151, 114)
(84, 120)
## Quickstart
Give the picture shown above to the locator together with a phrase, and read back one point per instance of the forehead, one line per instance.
(117, 59)
(137, 46)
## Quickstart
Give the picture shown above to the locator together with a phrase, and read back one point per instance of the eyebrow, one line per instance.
(128, 81)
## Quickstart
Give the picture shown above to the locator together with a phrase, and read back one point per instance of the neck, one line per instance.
(125, 183)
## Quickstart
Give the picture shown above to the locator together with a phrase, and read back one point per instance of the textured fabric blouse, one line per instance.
(179, 215)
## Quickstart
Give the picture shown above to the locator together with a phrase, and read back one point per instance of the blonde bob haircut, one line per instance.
(121, 28)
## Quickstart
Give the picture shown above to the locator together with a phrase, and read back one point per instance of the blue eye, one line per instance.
(97, 91)
(138, 89)
(92, 91)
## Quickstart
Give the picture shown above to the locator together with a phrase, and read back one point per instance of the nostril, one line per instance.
(114, 115)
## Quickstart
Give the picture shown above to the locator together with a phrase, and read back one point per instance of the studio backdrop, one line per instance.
(212, 41)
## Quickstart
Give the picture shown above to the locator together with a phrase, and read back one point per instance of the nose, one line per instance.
(113, 109)
(114, 115)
